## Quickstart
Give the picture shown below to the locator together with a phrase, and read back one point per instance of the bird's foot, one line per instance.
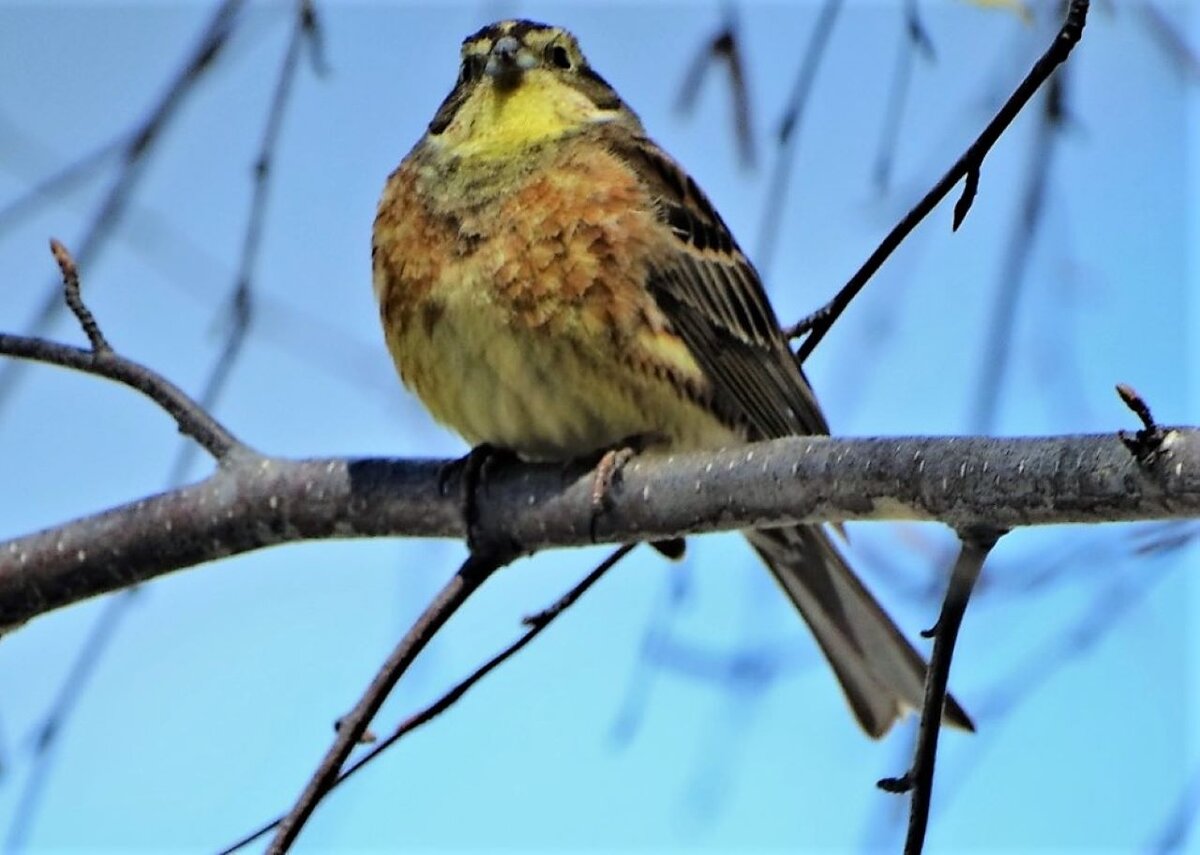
(606, 473)
(471, 472)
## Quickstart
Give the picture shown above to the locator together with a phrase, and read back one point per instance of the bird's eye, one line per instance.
(472, 67)
(559, 57)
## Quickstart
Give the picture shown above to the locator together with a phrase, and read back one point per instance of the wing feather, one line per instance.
(715, 301)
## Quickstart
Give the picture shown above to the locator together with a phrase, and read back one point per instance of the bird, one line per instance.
(552, 283)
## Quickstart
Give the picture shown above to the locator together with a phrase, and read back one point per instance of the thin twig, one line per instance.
(473, 573)
(314, 35)
(89, 658)
(976, 544)
(1176, 831)
(536, 623)
(59, 182)
(1171, 39)
(192, 419)
(137, 146)
(48, 732)
(1138, 405)
(1147, 442)
(241, 301)
(70, 278)
(1013, 279)
(967, 167)
(785, 157)
(914, 39)
(724, 47)
(189, 417)
(1120, 596)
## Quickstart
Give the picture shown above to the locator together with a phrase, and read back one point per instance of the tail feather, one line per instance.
(881, 674)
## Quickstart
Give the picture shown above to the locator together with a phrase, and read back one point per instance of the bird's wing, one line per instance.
(715, 301)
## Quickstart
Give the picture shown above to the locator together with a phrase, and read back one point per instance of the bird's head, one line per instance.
(521, 83)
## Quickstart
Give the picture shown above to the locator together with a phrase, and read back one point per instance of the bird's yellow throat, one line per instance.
(496, 122)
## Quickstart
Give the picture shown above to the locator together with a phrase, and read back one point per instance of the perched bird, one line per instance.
(551, 282)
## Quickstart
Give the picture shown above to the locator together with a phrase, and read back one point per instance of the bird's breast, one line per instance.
(523, 319)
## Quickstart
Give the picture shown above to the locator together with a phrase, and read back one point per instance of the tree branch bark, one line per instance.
(253, 502)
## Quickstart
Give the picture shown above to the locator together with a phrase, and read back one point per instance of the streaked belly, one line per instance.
(543, 394)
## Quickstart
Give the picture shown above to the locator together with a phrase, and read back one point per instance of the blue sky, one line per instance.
(217, 695)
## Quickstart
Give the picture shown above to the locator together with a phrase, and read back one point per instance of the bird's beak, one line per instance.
(508, 60)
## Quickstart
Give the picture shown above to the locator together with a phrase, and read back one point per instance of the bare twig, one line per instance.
(47, 733)
(241, 302)
(102, 361)
(473, 573)
(1147, 442)
(725, 48)
(976, 544)
(967, 167)
(191, 420)
(1118, 597)
(785, 156)
(1176, 831)
(1013, 279)
(89, 657)
(137, 146)
(1171, 39)
(70, 278)
(914, 40)
(1140, 408)
(59, 182)
(314, 35)
(536, 623)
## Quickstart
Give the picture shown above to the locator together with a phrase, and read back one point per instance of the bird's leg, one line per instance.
(607, 472)
(471, 470)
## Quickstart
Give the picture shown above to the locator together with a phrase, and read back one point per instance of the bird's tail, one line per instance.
(881, 674)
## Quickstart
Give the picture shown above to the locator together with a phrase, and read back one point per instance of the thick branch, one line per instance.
(255, 502)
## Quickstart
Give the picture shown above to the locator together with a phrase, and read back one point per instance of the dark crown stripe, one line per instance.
(518, 29)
